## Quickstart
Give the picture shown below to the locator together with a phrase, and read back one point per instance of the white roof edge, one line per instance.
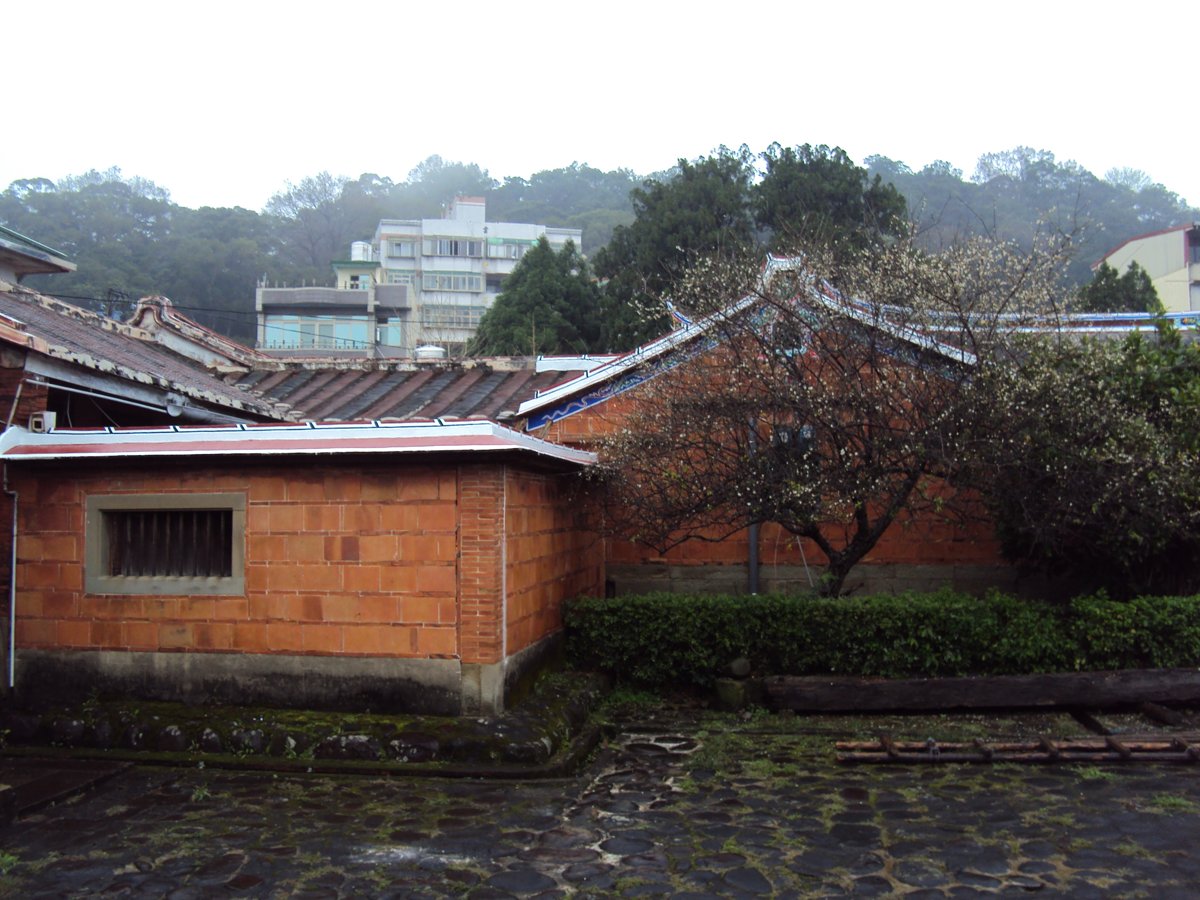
(636, 357)
(305, 438)
(656, 348)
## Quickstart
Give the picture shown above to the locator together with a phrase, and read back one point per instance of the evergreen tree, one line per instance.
(818, 195)
(703, 209)
(550, 304)
(1110, 292)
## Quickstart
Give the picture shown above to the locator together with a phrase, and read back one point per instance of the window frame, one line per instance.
(96, 544)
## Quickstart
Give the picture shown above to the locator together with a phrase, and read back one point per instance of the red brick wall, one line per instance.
(33, 398)
(924, 540)
(353, 560)
(553, 553)
(481, 578)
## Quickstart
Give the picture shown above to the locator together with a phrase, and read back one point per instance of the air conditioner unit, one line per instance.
(42, 422)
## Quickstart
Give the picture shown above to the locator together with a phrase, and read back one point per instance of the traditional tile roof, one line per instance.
(347, 390)
(616, 375)
(69, 334)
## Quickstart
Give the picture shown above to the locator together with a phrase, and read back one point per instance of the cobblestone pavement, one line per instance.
(691, 804)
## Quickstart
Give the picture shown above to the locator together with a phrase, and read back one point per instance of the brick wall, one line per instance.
(481, 578)
(921, 540)
(31, 399)
(553, 552)
(352, 560)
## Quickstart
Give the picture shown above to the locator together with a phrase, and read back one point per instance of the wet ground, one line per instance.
(680, 802)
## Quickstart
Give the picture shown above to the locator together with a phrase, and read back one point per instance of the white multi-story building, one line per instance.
(418, 283)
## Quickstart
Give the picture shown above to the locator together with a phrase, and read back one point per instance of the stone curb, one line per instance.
(546, 737)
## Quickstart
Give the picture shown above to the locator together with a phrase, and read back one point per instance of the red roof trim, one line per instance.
(1142, 237)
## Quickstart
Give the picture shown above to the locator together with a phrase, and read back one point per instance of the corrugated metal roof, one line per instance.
(436, 436)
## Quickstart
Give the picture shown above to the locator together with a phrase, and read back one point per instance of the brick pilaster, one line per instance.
(481, 563)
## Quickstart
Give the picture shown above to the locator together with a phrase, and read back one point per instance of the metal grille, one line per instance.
(173, 543)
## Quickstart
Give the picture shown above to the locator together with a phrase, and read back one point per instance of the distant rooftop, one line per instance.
(21, 256)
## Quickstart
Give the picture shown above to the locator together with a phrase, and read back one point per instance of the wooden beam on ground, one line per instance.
(1108, 749)
(1093, 689)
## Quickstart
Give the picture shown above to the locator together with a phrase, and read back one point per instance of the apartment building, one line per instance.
(420, 287)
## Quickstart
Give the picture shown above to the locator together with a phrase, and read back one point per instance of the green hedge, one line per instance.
(663, 640)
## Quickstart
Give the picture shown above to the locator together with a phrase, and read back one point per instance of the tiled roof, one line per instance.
(73, 335)
(368, 389)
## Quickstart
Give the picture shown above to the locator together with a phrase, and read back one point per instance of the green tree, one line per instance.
(433, 183)
(703, 209)
(1088, 462)
(313, 223)
(110, 226)
(550, 304)
(817, 194)
(1110, 292)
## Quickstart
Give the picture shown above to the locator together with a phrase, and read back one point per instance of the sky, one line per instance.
(224, 104)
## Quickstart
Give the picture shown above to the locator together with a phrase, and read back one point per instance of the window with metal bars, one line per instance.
(165, 544)
(172, 542)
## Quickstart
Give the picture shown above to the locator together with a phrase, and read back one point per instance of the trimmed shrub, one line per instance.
(674, 639)
(1144, 633)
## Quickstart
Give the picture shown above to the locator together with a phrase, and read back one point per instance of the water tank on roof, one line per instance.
(360, 251)
(429, 351)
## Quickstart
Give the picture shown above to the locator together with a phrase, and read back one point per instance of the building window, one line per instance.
(165, 544)
(434, 315)
(403, 277)
(508, 249)
(316, 332)
(451, 247)
(402, 248)
(392, 334)
(451, 281)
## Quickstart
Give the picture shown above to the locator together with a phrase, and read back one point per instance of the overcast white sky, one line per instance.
(223, 102)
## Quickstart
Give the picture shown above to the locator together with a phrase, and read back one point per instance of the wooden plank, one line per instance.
(1093, 689)
(1160, 749)
(1160, 713)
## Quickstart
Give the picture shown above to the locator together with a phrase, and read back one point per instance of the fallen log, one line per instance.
(1094, 689)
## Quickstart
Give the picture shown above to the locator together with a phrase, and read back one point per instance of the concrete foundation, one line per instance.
(426, 686)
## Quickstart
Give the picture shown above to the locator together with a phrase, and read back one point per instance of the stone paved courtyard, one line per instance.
(683, 803)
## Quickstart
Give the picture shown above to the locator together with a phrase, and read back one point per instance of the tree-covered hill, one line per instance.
(129, 239)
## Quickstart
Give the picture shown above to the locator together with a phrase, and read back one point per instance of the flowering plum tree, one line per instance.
(832, 396)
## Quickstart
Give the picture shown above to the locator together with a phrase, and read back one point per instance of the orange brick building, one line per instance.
(415, 566)
(916, 553)
(411, 552)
